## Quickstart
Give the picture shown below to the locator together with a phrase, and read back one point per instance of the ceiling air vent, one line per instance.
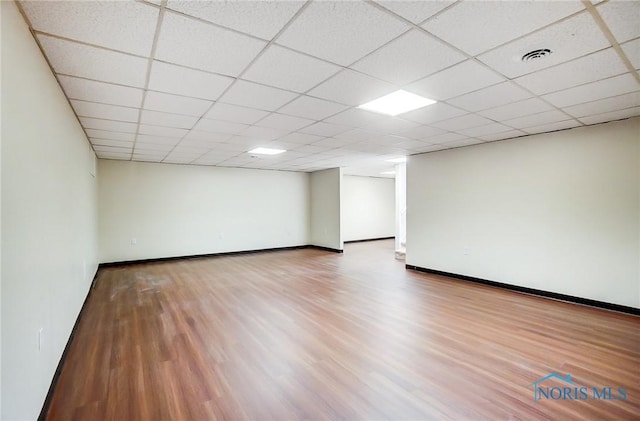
(536, 54)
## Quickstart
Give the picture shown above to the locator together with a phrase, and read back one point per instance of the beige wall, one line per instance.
(557, 212)
(49, 220)
(326, 208)
(368, 207)
(180, 210)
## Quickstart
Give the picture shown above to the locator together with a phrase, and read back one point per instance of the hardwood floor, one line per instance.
(308, 334)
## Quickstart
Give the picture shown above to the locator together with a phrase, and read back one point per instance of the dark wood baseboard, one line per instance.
(200, 256)
(546, 294)
(369, 239)
(311, 246)
(54, 381)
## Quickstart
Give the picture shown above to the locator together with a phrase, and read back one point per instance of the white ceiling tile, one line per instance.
(552, 127)
(632, 51)
(116, 149)
(107, 112)
(155, 148)
(485, 130)
(341, 32)
(415, 11)
(488, 24)
(227, 112)
(412, 56)
(263, 133)
(300, 138)
(203, 46)
(229, 148)
(325, 129)
(433, 113)
(219, 126)
(310, 149)
(355, 135)
(572, 38)
(108, 125)
(157, 101)
(392, 141)
(285, 122)
(422, 132)
(391, 125)
(445, 138)
(113, 155)
(146, 157)
(586, 69)
(156, 140)
(593, 91)
(262, 19)
(287, 69)
(622, 18)
(611, 116)
(245, 140)
(355, 117)
(75, 59)
(124, 26)
(352, 88)
(162, 131)
(331, 142)
(516, 109)
(552, 116)
(188, 82)
(462, 122)
(313, 108)
(460, 79)
(106, 93)
(502, 135)
(156, 118)
(101, 134)
(109, 142)
(196, 137)
(605, 105)
(249, 94)
(490, 97)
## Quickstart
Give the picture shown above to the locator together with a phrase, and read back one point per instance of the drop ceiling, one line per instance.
(192, 82)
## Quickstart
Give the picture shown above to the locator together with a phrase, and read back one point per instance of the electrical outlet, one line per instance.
(134, 241)
(466, 251)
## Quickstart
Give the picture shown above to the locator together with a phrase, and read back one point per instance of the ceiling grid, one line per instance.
(203, 83)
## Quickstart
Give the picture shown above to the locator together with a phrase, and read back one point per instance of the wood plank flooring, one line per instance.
(308, 334)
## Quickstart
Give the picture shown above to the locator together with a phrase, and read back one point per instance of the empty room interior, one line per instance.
(288, 210)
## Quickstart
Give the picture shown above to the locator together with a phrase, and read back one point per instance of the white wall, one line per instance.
(557, 212)
(326, 208)
(49, 220)
(368, 207)
(179, 210)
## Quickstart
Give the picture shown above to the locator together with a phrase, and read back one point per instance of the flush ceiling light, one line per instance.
(266, 151)
(396, 103)
(398, 160)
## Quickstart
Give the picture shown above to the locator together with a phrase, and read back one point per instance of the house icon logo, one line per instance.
(564, 388)
(538, 390)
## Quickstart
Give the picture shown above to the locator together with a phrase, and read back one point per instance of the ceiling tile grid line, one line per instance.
(48, 61)
(154, 46)
(589, 84)
(269, 43)
(610, 37)
(420, 27)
